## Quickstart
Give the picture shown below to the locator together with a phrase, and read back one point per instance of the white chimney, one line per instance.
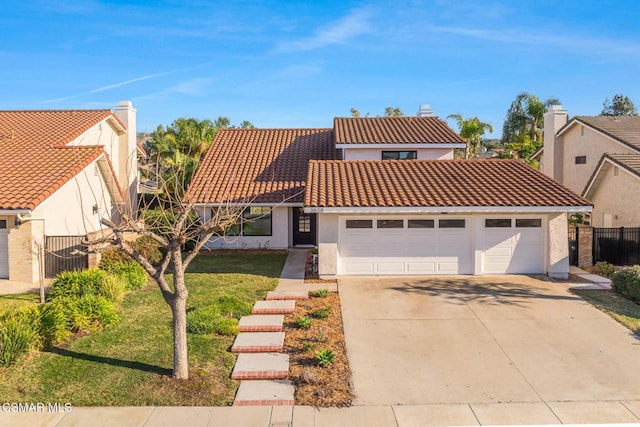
(128, 175)
(425, 111)
(554, 120)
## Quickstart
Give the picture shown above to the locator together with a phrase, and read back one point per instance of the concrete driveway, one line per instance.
(490, 339)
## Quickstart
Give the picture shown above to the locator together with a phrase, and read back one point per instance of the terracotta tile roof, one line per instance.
(35, 161)
(259, 165)
(383, 130)
(624, 129)
(433, 183)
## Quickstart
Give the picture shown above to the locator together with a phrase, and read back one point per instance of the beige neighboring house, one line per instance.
(61, 172)
(597, 157)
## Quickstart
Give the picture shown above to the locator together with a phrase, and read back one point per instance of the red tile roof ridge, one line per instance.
(275, 129)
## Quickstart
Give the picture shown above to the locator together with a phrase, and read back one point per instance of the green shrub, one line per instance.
(232, 306)
(603, 268)
(88, 313)
(149, 248)
(88, 282)
(321, 313)
(324, 357)
(225, 326)
(320, 293)
(19, 334)
(113, 256)
(627, 283)
(54, 327)
(130, 273)
(201, 320)
(303, 322)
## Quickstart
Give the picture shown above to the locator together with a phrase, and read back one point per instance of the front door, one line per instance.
(304, 227)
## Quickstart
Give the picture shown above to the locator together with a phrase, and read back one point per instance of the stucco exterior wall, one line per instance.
(279, 239)
(593, 145)
(619, 196)
(69, 211)
(327, 245)
(558, 246)
(23, 250)
(376, 153)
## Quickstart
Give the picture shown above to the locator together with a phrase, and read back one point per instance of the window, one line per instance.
(359, 223)
(256, 221)
(399, 155)
(304, 223)
(390, 223)
(497, 223)
(3, 224)
(451, 223)
(528, 223)
(581, 160)
(421, 223)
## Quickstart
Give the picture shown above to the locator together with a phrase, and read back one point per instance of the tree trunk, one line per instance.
(180, 354)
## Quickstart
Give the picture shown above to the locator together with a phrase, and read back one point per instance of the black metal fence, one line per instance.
(573, 245)
(64, 253)
(618, 246)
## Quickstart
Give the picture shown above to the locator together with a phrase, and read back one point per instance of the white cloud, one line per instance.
(346, 28)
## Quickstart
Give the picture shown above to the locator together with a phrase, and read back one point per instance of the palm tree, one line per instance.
(525, 117)
(471, 131)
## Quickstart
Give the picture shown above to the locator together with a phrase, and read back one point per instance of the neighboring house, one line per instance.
(385, 196)
(61, 172)
(597, 157)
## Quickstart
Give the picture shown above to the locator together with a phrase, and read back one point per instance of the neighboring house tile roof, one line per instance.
(624, 129)
(35, 161)
(433, 183)
(259, 165)
(393, 130)
(630, 162)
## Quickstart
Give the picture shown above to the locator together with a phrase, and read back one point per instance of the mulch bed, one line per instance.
(315, 385)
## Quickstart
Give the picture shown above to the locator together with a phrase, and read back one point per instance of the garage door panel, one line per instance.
(355, 267)
(513, 250)
(384, 267)
(421, 267)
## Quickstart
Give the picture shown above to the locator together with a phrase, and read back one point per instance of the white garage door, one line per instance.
(513, 246)
(405, 245)
(4, 250)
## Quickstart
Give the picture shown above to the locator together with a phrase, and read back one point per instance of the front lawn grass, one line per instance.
(621, 309)
(130, 364)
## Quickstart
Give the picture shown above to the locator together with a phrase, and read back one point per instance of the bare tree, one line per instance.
(168, 220)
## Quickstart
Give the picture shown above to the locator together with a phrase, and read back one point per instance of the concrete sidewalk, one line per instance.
(597, 412)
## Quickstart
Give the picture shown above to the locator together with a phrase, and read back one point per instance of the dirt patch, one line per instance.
(317, 385)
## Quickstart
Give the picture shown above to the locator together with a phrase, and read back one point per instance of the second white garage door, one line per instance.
(407, 245)
(512, 246)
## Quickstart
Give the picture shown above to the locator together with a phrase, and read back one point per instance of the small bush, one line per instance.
(200, 321)
(19, 335)
(320, 293)
(324, 357)
(321, 313)
(605, 269)
(208, 320)
(232, 306)
(303, 322)
(130, 273)
(113, 256)
(54, 328)
(627, 283)
(88, 313)
(88, 282)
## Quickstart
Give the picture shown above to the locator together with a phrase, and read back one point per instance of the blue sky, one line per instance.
(299, 64)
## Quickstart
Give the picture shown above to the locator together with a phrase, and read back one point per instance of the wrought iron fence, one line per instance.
(573, 245)
(64, 253)
(618, 246)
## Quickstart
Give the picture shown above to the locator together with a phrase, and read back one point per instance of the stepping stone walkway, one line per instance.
(258, 342)
(261, 366)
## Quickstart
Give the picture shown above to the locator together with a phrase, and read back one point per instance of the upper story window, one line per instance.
(399, 155)
(581, 160)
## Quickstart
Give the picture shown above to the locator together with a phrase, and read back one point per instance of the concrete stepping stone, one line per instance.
(274, 307)
(258, 342)
(261, 323)
(261, 366)
(287, 295)
(264, 393)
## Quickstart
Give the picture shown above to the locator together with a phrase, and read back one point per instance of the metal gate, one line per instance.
(574, 232)
(618, 246)
(64, 253)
